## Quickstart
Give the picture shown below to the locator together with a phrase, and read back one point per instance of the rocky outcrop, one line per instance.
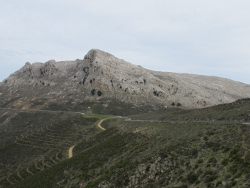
(102, 75)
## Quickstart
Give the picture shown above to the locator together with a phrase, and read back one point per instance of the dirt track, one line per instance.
(99, 124)
(71, 152)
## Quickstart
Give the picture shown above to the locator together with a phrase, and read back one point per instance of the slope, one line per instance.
(139, 154)
(34, 138)
(238, 110)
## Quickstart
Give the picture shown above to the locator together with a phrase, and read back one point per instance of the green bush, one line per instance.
(224, 162)
(200, 161)
(192, 177)
(218, 183)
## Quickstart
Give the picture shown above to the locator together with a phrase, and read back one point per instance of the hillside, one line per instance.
(108, 85)
(129, 154)
(238, 110)
(28, 137)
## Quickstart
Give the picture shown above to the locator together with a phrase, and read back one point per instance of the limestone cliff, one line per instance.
(101, 75)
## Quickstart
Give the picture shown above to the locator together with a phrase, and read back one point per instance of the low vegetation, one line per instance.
(238, 110)
(134, 154)
(43, 143)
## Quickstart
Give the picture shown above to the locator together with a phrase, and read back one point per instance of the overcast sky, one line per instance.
(208, 37)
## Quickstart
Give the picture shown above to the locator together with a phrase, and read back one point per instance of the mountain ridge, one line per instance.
(102, 76)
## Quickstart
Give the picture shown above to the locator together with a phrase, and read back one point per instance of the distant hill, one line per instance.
(105, 84)
(238, 110)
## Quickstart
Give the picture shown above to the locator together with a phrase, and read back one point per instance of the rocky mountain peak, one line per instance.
(96, 53)
(101, 75)
(28, 64)
(50, 62)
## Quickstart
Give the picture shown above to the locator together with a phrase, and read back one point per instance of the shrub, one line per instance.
(192, 177)
(224, 162)
(226, 149)
(218, 183)
(234, 183)
(209, 172)
(200, 161)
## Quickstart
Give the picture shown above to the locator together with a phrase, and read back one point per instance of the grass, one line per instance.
(99, 116)
(103, 106)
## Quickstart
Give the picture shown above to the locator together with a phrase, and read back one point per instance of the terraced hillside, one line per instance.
(137, 153)
(15, 122)
(34, 148)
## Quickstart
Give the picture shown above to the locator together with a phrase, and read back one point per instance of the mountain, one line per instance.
(47, 141)
(105, 84)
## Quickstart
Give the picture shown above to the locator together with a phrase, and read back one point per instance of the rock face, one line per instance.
(102, 76)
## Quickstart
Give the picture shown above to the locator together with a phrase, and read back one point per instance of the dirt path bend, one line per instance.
(10, 181)
(27, 169)
(100, 124)
(71, 152)
(18, 174)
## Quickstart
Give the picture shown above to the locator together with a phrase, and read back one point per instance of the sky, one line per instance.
(208, 37)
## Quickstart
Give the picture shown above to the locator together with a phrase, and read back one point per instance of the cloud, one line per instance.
(203, 37)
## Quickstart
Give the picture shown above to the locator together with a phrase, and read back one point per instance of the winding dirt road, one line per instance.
(71, 152)
(100, 124)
